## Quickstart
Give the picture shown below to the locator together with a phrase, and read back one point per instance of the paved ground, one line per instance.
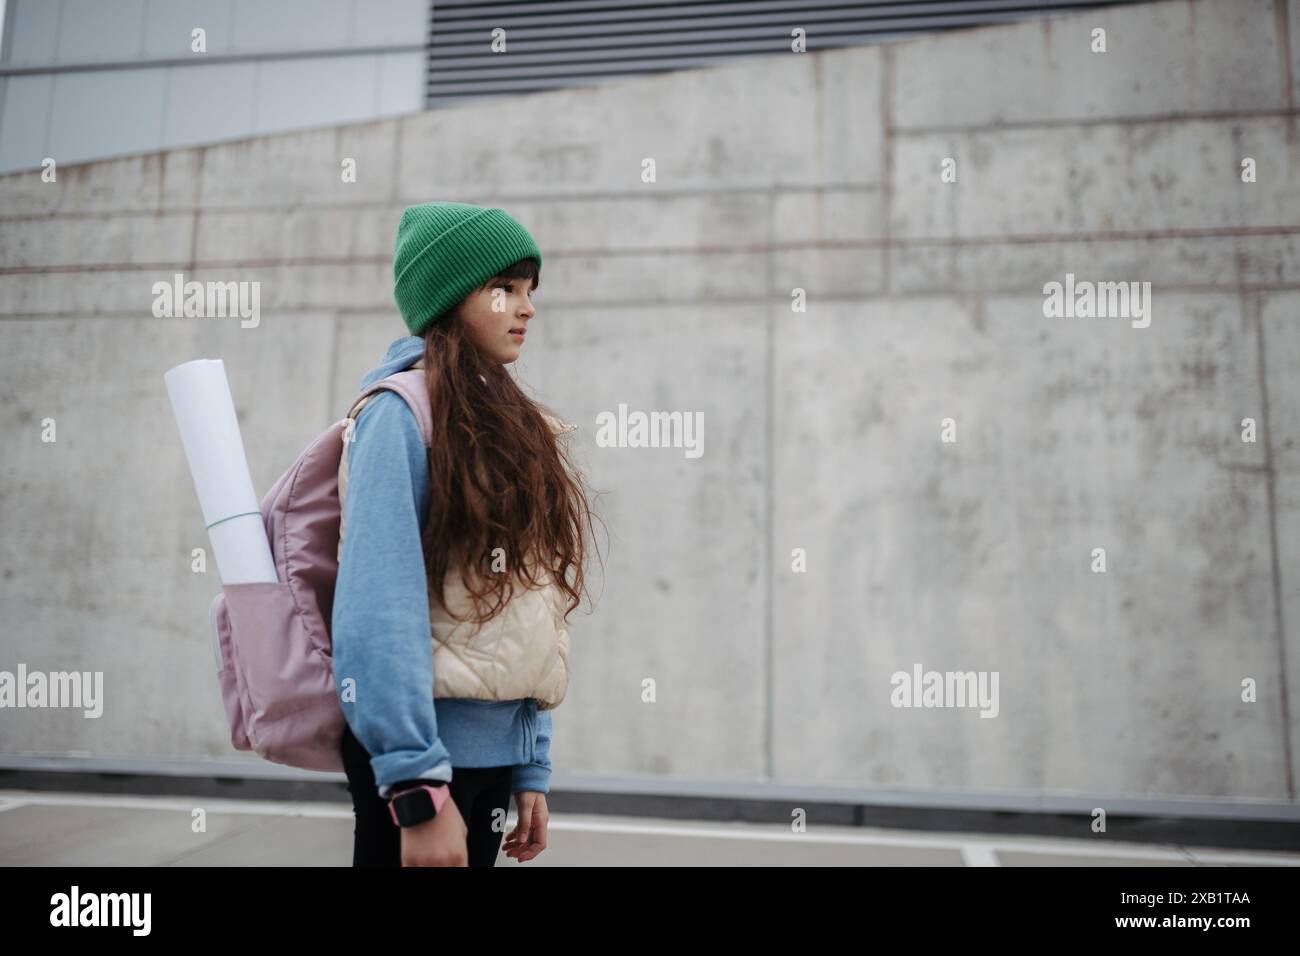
(66, 829)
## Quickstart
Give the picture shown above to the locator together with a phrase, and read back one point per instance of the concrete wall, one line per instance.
(925, 302)
(84, 79)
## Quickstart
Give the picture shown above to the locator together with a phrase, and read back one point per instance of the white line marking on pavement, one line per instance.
(978, 855)
(186, 804)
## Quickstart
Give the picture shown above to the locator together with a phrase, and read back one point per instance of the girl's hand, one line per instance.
(437, 842)
(528, 838)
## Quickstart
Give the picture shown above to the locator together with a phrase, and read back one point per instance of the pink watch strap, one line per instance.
(440, 795)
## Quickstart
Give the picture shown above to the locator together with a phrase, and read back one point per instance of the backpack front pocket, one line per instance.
(279, 666)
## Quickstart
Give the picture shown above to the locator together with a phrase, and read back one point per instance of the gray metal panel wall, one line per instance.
(84, 79)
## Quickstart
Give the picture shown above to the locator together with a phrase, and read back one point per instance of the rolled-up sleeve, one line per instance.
(382, 649)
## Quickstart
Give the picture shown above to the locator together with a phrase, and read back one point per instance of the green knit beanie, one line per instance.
(446, 250)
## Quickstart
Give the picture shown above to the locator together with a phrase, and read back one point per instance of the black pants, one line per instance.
(480, 794)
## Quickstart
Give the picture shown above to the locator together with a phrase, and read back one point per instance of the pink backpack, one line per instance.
(272, 639)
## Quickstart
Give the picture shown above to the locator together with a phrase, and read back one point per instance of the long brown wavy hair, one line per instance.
(500, 478)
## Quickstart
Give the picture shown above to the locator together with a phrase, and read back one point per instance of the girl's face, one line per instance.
(497, 317)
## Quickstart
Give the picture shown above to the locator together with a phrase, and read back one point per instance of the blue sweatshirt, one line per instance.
(381, 629)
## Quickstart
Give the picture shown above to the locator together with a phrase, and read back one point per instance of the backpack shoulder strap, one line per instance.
(410, 385)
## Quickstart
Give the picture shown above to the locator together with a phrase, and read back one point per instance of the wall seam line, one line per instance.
(1254, 307)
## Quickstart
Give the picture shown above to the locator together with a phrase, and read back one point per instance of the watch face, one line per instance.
(413, 807)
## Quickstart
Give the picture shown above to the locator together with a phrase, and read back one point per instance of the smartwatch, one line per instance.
(417, 804)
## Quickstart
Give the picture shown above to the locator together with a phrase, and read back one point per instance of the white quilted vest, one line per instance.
(522, 652)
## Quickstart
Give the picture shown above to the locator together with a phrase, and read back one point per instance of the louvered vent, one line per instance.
(570, 42)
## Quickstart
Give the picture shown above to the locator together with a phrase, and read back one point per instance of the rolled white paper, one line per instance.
(205, 415)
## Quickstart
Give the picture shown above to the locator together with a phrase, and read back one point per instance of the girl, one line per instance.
(455, 561)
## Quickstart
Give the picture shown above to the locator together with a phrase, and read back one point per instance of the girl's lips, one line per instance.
(518, 335)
